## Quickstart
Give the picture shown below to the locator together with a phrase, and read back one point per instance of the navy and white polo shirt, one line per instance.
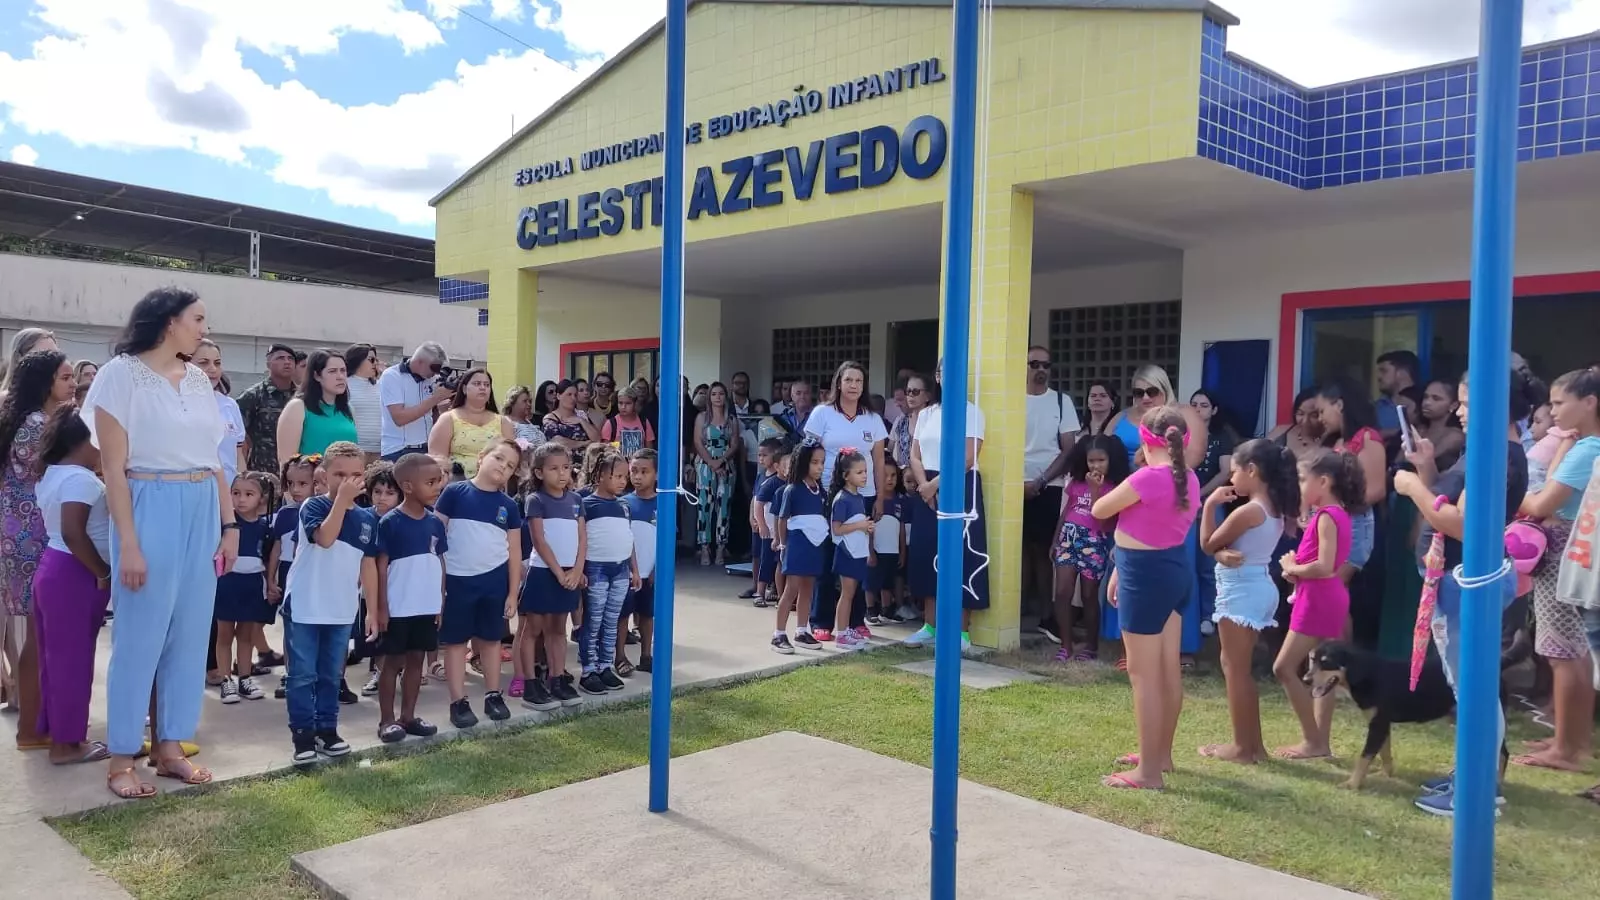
(886, 538)
(768, 493)
(561, 517)
(606, 524)
(325, 582)
(642, 518)
(848, 509)
(415, 586)
(804, 508)
(476, 522)
(285, 525)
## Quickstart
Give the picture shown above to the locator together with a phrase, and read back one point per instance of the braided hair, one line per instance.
(1170, 424)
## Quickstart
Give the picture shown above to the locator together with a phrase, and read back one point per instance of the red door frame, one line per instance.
(605, 347)
(1393, 294)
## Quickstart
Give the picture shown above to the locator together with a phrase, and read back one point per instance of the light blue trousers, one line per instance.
(160, 633)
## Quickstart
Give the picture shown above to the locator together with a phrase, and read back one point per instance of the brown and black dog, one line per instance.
(1382, 689)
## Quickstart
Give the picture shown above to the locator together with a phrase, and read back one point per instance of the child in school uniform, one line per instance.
(241, 599)
(383, 495)
(555, 577)
(764, 518)
(483, 574)
(642, 518)
(335, 561)
(888, 548)
(296, 481)
(609, 570)
(402, 619)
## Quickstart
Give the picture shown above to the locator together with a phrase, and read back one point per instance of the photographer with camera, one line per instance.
(409, 392)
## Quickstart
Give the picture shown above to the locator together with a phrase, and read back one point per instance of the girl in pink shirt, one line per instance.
(1097, 464)
(1330, 482)
(1152, 581)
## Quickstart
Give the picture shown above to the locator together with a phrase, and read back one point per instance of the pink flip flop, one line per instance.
(1123, 782)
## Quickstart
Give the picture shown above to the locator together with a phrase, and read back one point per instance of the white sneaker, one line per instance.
(921, 638)
(249, 690)
(966, 643)
(230, 691)
(371, 687)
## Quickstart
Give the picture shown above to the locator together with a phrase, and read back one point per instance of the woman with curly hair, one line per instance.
(39, 382)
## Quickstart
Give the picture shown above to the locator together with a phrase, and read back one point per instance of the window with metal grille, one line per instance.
(812, 354)
(1107, 343)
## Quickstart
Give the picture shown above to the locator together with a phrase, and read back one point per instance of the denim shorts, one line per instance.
(1363, 534)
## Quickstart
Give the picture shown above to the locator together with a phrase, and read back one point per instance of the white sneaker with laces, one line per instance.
(371, 687)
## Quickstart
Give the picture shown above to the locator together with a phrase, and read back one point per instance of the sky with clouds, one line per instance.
(360, 110)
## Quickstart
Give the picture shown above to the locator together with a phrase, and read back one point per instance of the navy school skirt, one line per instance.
(921, 577)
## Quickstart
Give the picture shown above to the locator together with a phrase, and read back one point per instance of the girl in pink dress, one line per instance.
(1330, 483)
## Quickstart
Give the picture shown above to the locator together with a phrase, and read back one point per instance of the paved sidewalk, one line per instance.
(719, 637)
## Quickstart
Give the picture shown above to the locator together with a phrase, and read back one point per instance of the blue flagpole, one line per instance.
(1489, 360)
(671, 400)
(953, 452)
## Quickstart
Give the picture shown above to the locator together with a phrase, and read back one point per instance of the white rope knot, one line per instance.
(691, 496)
(1470, 582)
(970, 515)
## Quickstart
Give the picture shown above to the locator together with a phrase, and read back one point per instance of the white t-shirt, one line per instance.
(930, 432)
(232, 435)
(367, 411)
(398, 386)
(169, 430)
(74, 484)
(1049, 415)
(837, 431)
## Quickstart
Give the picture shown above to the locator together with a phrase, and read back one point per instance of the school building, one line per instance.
(1144, 196)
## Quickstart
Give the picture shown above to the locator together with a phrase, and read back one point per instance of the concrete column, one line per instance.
(513, 327)
(1003, 282)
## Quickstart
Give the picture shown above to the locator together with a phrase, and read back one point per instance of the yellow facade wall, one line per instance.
(1071, 91)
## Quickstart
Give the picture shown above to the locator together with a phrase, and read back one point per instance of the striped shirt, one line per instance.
(367, 411)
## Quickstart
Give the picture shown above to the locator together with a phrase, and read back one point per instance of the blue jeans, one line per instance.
(160, 634)
(602, 606)
(315, 666)
(1447, 637)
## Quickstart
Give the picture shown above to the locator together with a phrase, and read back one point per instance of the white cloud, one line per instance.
(1343, 40)
(598, 28)
(24, 154)
(287, 61)
(168, 74)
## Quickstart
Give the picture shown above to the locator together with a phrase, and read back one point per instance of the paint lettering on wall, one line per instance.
(851, 161)
(803, 102)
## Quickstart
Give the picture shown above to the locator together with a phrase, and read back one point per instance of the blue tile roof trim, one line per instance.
(454, 290)
(1389, 126)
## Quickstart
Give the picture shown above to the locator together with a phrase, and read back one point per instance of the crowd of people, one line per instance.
(400, 515)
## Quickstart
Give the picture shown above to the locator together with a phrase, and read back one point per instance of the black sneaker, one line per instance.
(876, 620)
(347, 696)
(562, 690)
(1050, 629)
(461, 714)
(305, 749)
(420, 727)
(330, 744)
(645, 664)
(611, 680)
(748, 594)
(541, 672)
(271, 659)
(780, 644)
(494, 706)
(890, 617)
(536, 695)
(282, 689)
(633, 636)
(592, 683)
(803, 639)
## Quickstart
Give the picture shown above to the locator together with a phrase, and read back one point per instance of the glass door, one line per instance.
(1346, 343)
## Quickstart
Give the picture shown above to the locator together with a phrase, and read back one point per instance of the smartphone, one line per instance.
(217, 562)
(1406, 443)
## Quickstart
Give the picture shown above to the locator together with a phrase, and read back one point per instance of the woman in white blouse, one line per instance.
(922, 582)
(845, 422)
(154, 417)
(361, 361)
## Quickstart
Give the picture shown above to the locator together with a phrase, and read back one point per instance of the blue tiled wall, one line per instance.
(453, 290)
(1389, 126)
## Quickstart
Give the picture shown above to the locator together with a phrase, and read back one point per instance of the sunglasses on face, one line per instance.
(1038, 364)
(1152, 393)
(914, 392)
(604, 384)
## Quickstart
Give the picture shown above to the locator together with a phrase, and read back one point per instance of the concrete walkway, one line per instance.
(735, 831)
(719, 637)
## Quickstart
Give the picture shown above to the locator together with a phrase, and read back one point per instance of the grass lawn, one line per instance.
(1050, 741)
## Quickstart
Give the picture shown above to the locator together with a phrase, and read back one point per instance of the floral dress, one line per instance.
(716, 490)
(23, 539)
